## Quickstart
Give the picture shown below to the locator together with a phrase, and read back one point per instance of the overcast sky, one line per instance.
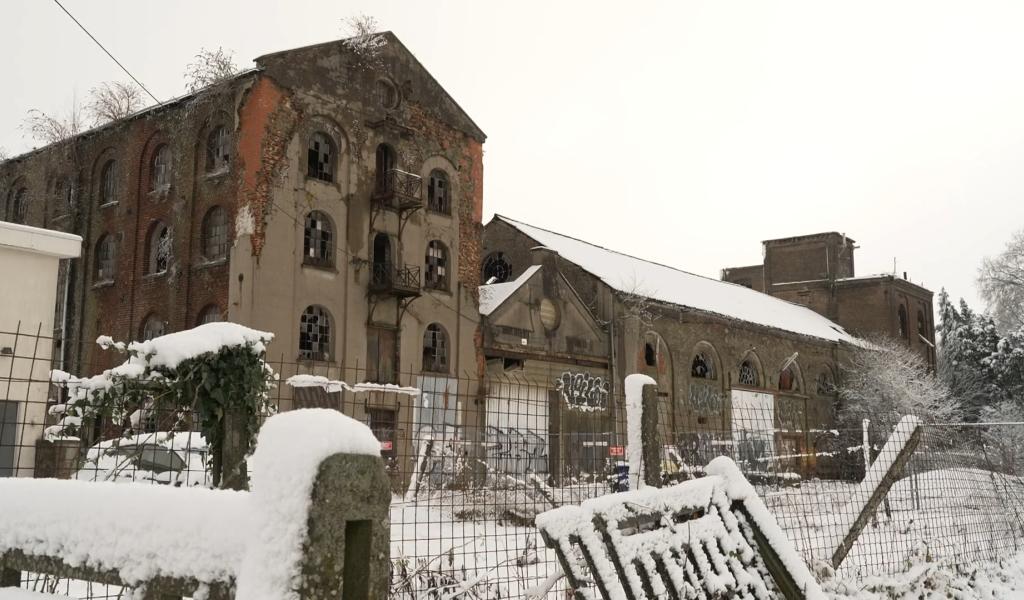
(682, 132)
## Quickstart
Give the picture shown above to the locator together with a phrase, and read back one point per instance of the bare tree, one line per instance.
(885, 380)
(113, 100)
(365, 41)
(51, 129)
(210, 67)
(3, 154)
(1001, 283)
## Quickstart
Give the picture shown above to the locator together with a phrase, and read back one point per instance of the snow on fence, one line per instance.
(315, 522)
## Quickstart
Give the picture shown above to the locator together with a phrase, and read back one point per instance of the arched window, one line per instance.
(218, 150)
(318, 240)
(438, 194)
(922, 325)
(435, 349)
(788, 379)
(19, 206)
(436, 266)
(387, 94)
(159, 249)
(902, 315)
(703, 366)
(215, 234)
(321, 155)
(315, 334)
(160, 171)
(385, 162)
(748, 374)
(497, 268)
(108, 183)
(152, 327)
(104, 259)
(382, 268)
(64, 194)
(210, 314)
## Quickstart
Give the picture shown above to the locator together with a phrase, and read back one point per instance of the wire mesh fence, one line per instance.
(472, 461)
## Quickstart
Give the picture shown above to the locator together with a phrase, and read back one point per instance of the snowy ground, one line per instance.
(1002, 579)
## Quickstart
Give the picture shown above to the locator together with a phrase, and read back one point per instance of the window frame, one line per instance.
(152, 319)
(108, 183)
(324, 170)
(159, 236)
(321, 349)
(104, 245)
(160, 166)
(209, 231)
(218, 150)
(436, 343)
(439, 202)
(326, 258)
(437, 264)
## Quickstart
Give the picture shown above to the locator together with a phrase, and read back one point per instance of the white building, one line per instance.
(29, 263)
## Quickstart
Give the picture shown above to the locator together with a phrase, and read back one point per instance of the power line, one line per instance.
(91, 36)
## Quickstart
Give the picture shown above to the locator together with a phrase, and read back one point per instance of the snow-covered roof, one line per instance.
(494, 295)
(662, 283)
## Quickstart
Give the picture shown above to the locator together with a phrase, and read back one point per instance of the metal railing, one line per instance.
(399, 189)
(395, 279)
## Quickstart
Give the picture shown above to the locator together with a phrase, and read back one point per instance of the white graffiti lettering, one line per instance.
(583, 391)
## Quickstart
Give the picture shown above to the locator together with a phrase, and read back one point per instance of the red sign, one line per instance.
(616, 451)
(386, 445)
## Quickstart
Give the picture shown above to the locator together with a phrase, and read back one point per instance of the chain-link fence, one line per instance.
(473, 460)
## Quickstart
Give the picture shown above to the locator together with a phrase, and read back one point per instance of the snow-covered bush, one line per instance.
(215, 372)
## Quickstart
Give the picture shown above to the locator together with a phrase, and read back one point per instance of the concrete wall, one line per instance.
(29, 260)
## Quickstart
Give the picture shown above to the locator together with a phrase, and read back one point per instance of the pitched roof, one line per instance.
(662, 283)
(494, 295)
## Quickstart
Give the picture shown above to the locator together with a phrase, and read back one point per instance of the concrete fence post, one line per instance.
(651, 437)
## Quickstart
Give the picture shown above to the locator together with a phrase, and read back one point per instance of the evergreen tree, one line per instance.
(968, 342)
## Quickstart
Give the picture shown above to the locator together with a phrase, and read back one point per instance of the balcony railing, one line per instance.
(397, 280)
(398, 189)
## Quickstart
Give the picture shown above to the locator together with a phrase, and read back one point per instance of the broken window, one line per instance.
(437, 266)
(435, 349)
(63, 196)
(318, 240)
(215, 234)
(380, 355)
(218, 150)
(105, 258)
(650, 355)
(321, 157)
(19, 206)
(788, 381)
(748, 374)
(703, 367)
(385, 163)
(902, 316)
(160, 175)
(108, 183)
(315, 334)
(497, 268)
(826, 385)
(152, 327)
(922, 327)
(159, 249)
(437, 193)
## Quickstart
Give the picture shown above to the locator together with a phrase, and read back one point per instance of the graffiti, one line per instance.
(705, 398)
(790, 413)
(583, 391)
(511, 450)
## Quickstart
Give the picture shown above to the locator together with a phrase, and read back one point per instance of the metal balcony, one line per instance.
(395, 280)
(399, 190)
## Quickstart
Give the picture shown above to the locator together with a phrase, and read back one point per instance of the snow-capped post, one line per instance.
(866, 497)
(643, 450)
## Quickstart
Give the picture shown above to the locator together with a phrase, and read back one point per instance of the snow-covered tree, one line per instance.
(113, 100)
(209, 67)
(967, 342)
(1001, 283)
(885, 380)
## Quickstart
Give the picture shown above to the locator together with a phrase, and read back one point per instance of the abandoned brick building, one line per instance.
(331, 195)
(565, 321)
(818, 271)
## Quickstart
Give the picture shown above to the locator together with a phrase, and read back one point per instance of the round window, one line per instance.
(496, 268)
(549, 316)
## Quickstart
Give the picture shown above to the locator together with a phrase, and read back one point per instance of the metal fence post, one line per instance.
(650, 437)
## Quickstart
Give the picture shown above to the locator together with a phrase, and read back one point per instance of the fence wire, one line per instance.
(472, 461)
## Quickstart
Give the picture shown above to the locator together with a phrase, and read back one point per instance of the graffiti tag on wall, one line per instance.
(583, 391)
(705, 398)
(517, 451)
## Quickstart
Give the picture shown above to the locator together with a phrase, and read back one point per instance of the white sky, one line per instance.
(682, 132)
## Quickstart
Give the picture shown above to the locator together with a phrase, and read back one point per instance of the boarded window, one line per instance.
(318, 240)
(436, 266)
(315, 397)
(788, 381)
(320, 163)
(315, 334)
(215, 234)
(437, 193)
(380, 355)
(435, 349)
